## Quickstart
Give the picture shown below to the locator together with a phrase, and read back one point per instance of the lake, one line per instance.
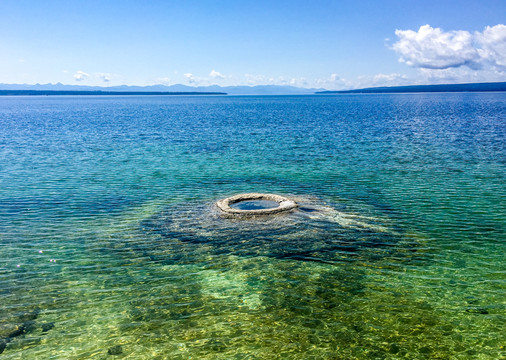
(111, 246)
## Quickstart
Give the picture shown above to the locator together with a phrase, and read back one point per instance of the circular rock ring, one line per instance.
(284, 204)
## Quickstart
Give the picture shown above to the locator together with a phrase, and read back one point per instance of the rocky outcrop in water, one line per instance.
(26, 324)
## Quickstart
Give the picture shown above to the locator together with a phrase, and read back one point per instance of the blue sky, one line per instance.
(328, 44)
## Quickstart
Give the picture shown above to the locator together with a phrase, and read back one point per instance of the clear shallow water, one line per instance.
(110, 245)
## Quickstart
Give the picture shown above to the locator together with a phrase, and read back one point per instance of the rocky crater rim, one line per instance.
(284, 204)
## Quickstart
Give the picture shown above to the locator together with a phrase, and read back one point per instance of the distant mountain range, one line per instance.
(494, 86)
(100, 92)
(178, 88)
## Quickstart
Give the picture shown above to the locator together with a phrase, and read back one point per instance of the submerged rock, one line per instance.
(11, 329)
(47, 326)
(6, 329)
(31, 315)
(3, 345)
(20, 330)
(29, 326)
(481, 311)
(115, 350)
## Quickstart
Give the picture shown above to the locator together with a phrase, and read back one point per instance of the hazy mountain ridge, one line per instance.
(231, 90)
(259, 89)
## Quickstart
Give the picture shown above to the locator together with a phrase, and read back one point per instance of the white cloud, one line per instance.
(190, 77)
(255, 79)
(365, 81)
(80, 76)
(493, 45)
(332, 82)
(461, 74)
(105, 77)
(163, 80)
(258, 79)
(216, 75)
(389, 78)
(206, 80)
(435, 49)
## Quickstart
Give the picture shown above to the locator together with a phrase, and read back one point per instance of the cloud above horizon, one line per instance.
(81, 75)
(435, 49)
(105, 77)
(216, 75)
(190, 77)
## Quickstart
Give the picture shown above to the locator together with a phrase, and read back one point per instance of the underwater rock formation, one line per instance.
(26, 323)
(280, 204)
(315, 231)
(115, 350)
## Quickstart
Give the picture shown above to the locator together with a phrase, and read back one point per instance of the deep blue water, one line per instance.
(110, 241)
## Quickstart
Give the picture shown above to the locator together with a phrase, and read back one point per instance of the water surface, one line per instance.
(254, 205)
(110, 245)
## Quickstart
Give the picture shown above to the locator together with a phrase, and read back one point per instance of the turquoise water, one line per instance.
(111, 247)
